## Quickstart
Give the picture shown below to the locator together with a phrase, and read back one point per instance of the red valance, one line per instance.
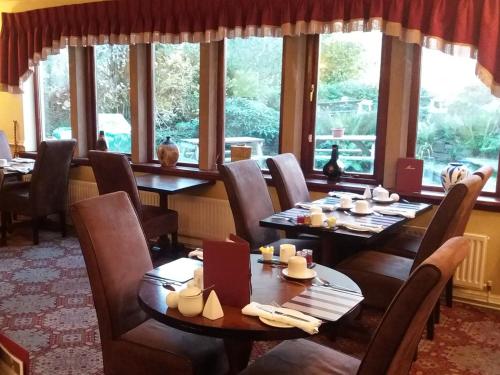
(454, 26)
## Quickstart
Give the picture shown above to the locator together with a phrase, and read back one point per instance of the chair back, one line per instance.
(50, 177)
(116, 256)
(5, 152)
(394, 344)
(250, 201)
(112, 173)
(449, 212)
(289, 180)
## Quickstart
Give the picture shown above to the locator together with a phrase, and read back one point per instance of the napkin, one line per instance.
(196, 253)
(346, 193)
(324, 206)
(410, 214)
(361, 226)
(18, 169)
(268, 312)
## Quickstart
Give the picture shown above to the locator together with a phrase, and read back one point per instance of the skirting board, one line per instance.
(477, 297)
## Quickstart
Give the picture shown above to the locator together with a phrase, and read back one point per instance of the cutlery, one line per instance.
(166, 281)
(165, 285)
(328, 284)
(277, 312)
(290, 281)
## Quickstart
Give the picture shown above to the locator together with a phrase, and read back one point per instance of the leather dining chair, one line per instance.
(250, 202)
(394, 344)
(117, 256)
(47, 191)
(112, 173)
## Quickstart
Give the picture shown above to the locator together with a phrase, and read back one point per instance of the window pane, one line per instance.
(347, 99)
(253, 96)
(177, 93)
(54, 94)
(459, 120)
(113, 96)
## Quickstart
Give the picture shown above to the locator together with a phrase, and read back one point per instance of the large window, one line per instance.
(347, 99)
(458, 118)
(176, 96)
(113, 96)
(253, 96)
(54, 97)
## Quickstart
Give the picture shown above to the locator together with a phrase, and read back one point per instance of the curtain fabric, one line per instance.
(470, 27)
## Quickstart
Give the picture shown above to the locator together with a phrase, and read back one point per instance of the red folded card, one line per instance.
(226, 265)
(409, 175)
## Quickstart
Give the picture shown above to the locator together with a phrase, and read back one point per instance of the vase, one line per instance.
(168, 153)
(334, 168)
(453, 173)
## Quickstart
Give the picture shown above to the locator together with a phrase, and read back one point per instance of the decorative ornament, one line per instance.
(213, 308)
(334, 168)
(452, 174)
(168, 153)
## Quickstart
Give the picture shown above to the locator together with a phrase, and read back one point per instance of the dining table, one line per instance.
(366, 229)
(239, 331)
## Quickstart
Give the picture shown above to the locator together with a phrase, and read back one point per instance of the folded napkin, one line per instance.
(18, 169)
(23, 160)
(305, 322)
(395, 211)
(324, 206)
(196, 253)
(360, 227)
(346, 193)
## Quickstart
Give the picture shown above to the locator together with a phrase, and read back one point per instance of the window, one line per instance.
(458, 118)
(347, 96)
(253, 96)
(113, 96)
(55, 114)
(176, 95)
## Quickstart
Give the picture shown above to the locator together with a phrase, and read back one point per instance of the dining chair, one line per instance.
(394, 344)
(406, 245)
(112, 173)
(46, 193)
(116, 256)
(250, 202)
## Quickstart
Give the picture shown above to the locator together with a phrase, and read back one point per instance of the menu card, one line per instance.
(409, 175)
(226, 265)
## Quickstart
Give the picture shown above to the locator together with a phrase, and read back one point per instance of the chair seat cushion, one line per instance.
(404, 245)
(158, 221)
(294, 357)
(154, 348)
(379, 275)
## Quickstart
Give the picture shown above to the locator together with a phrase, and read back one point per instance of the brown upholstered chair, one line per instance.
(380, 275)
(289, 180)
(250, 202)
(394, 344)
(112, 173)
(116, 255)
(47, 191)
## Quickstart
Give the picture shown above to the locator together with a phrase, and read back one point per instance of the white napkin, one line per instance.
(23, 160)
(361, 227)
(324, 206)
(346, 193)
(196, 253)
(267, 312)
(18, 169)
(394, 211)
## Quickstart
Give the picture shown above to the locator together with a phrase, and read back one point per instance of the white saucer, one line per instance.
(345, 208)
(310, 274)
(383, 200)
(369, 212)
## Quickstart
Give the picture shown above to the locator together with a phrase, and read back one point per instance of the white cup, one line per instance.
(345, 201)
(315, 209)
(286, 251)
(361, 206)
(3, 162)
(297, 266)
(317, 219)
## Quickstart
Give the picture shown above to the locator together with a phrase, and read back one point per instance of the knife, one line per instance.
(277, 312)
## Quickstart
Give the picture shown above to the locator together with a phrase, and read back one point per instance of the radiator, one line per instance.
(470, 274)
(199, 217)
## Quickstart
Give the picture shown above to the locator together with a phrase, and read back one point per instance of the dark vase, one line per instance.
(101, 143)
(334, 168)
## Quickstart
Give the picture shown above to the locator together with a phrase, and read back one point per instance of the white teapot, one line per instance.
(380, 193)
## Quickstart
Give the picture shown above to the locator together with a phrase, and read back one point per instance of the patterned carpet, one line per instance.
(46, 306)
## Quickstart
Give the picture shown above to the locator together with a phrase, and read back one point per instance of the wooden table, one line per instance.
(286, 220)
(165, 185)
(238, 330)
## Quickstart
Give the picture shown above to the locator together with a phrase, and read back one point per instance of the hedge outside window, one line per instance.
(112, 80)
(177, 96)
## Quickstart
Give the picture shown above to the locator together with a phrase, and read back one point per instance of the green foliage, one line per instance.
(340, 61)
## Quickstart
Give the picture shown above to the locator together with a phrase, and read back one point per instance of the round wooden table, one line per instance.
(238, 330)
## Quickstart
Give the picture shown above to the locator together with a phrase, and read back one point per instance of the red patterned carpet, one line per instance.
(46, 306)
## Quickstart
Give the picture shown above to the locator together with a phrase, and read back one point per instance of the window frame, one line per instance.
(309, 114)
(413, 121)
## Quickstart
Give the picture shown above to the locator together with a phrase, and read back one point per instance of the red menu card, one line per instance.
(226, 265)
(409, 175)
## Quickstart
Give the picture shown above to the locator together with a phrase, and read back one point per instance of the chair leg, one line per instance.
(430, 327)
(437, 312)
(449, 293)
(35, 223)
(62, 220)
(175, 241)
(4, 219)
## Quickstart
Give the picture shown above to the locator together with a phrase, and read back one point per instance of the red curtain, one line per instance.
(454, 26)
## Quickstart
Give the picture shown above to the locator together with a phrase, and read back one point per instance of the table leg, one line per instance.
(327, 256)
(163, 200)
(238, 354)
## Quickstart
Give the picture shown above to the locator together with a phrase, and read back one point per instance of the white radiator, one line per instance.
(470, 273)
(199, 217)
